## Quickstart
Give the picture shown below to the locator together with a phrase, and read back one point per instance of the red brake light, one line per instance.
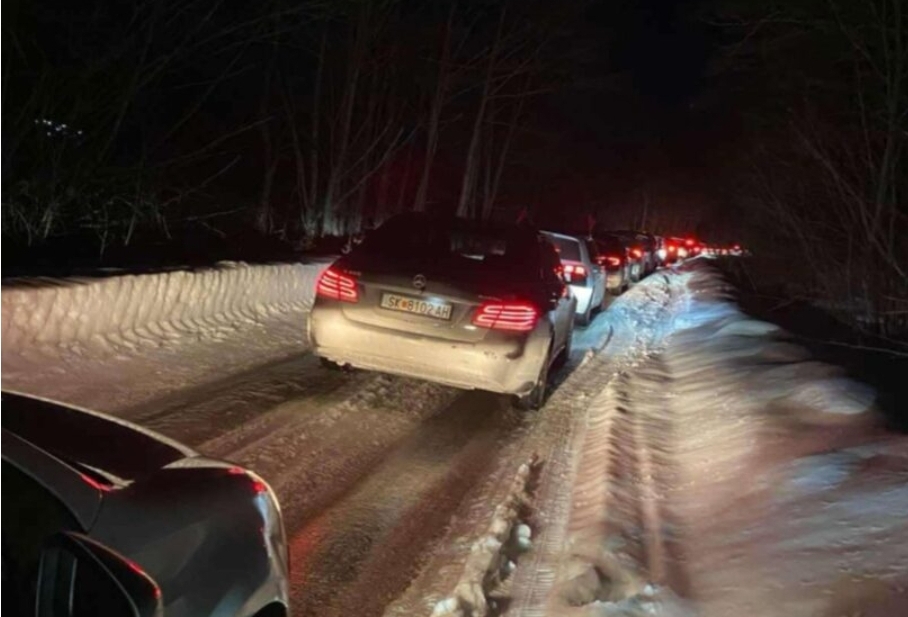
(336, 285)
(513, 316)
(577, 270)
(613, 261)
(94, 483)
(258, 486)
(636, 252)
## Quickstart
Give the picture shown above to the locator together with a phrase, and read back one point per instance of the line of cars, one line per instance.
(603, 262)
(470, 304)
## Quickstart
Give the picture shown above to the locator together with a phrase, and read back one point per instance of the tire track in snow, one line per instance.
(541, 577)
(596, 545)
(363, 551)
(314, 450)
(656, 436)
(239, 408)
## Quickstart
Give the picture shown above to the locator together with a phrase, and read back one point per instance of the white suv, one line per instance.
(582, 272)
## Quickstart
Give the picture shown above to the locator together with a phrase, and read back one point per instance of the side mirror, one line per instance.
(79, 577)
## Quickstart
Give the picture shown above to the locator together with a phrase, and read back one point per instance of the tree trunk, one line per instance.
(441, 88)
(492, 193)
(312, 220)
(468, 184)
(347, 106)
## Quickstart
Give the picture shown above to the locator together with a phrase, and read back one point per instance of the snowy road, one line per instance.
(693, 461)
(368, 467)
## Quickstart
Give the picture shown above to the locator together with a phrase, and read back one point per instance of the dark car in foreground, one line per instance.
(457, 302)
(103, 517)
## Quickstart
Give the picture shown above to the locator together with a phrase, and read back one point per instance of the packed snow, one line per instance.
(116, 341)
(690, 460)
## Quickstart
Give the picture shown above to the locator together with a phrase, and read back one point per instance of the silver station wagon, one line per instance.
(462, 303)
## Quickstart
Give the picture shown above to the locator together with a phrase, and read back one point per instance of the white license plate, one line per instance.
(417, 306)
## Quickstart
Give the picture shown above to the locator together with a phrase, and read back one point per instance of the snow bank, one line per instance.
(63, 312)
(490, 558)
(783, 494)
(718, 470)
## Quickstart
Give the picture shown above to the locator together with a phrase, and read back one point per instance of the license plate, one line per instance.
(417, 306)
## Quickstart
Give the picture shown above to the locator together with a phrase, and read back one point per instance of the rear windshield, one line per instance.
(568, 248)
(414, 237)
(610, 246)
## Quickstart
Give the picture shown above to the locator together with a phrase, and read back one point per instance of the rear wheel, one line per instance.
(325, 363)
(565, 354)
(536, 397)
(584, 319)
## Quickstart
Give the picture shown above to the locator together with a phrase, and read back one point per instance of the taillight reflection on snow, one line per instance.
(337, 286)
(513, 316)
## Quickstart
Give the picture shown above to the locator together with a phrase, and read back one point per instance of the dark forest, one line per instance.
(167, 132)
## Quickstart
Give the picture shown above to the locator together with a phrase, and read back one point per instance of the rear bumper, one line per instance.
(503, 362)
(584, 296)
(614, 280)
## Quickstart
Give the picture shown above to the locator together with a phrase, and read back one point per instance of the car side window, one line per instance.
(31, 514)
(551, 267)
(592, 249)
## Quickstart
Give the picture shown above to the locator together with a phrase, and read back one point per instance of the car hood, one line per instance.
(90, 439)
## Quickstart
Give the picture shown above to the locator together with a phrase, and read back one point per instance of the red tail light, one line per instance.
(636, 252)
(513, 316)
(575, 274)
(610, 261)
(336, 285)
(95, 484)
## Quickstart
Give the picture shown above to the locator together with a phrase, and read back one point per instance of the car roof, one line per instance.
(562, 236)
(89, 438)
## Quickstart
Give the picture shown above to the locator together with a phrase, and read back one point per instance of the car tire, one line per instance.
(565, 354)
(327, 364)
(535, 399)
(584, 319)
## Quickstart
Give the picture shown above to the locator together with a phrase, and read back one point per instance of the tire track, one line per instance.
(239, 404)
(650, 400)
(316, 449)
(613, 540)
(362, 551)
